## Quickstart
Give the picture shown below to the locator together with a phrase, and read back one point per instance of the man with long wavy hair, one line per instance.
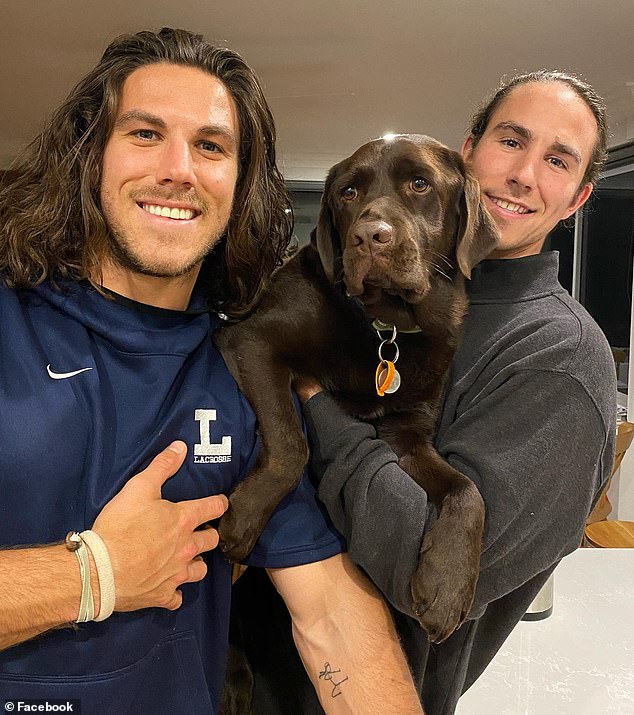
(150, 202)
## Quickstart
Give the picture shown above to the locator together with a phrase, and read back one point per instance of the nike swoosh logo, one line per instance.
(64, 375)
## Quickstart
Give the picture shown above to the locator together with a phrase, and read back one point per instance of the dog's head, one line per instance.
(398, 214)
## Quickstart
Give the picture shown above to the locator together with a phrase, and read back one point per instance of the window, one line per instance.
(306, 197)
(606, 259)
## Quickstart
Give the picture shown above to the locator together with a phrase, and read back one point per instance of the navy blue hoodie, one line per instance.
(68, 445)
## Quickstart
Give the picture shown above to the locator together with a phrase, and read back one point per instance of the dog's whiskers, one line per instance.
(440, 255)
(442, 273)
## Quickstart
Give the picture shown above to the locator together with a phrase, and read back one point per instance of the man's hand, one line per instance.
(306, 387)
(154, 544)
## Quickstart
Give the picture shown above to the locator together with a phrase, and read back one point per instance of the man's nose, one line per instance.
(523, 171)
(176, 165)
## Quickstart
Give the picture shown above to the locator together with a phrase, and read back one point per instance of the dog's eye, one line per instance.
(349, 193)
(419, 185)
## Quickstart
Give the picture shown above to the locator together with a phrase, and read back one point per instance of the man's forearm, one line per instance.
(40, 589)
(347, 640)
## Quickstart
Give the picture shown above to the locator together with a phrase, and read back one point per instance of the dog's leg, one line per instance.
(443, 585)
(266, 385)
(237, 692)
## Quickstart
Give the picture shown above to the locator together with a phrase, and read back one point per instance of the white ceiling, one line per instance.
(336, 72)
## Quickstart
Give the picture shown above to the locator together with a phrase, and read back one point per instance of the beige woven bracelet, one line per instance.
(80, 544)
(104, 572)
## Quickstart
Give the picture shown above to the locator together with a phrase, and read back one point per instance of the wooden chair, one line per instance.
(624, 437)
(599, 532)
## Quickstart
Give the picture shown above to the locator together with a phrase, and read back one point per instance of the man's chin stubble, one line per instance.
(123, 257)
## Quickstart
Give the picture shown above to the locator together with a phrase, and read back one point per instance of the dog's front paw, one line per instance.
(442, 588)
(238, 530)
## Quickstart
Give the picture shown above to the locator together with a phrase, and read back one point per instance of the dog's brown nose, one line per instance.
(372, 232)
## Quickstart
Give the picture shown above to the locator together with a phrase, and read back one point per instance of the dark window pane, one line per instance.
(562, 239)
(606, 269)
(306, 211)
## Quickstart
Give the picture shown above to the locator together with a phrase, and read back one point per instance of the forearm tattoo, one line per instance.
(334, 677)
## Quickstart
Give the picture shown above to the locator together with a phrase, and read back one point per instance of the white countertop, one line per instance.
(580, 660)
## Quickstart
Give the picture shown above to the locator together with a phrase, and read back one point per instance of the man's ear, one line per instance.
(467, 147)
(582, 196)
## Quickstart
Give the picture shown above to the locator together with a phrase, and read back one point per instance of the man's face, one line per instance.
(169, 170)
(530, 162)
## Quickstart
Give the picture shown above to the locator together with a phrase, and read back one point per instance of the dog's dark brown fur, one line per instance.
(400, 227)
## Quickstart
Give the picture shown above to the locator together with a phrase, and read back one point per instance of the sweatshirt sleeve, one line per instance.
(536, 447)
(378, 507)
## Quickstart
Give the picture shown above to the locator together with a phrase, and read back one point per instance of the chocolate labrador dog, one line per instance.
(372, 310)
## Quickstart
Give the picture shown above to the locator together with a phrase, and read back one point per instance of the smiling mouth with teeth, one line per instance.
(166, 212)
(510, 206)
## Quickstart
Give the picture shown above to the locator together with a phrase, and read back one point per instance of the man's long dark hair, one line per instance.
(51, 221)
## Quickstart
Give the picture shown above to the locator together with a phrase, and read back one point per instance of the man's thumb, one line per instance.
(165, 464)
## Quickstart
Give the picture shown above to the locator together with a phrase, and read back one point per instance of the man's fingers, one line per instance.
(306, 388)
(176, 601)
(206, 509)
(196, 570)
(164, 465)
(206, 539)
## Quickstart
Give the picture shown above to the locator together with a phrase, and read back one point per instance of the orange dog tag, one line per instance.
(387, 378)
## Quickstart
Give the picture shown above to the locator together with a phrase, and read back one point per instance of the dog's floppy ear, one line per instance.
(477, 232)
(325, 236)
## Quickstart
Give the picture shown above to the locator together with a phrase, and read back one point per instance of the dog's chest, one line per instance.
(357, 373)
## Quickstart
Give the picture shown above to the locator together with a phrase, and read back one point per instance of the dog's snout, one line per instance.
(372, 232)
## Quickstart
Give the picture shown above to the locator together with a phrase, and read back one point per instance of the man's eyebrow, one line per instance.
(134, 115)
(566, 149)
(516, 128)
(214, 130)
